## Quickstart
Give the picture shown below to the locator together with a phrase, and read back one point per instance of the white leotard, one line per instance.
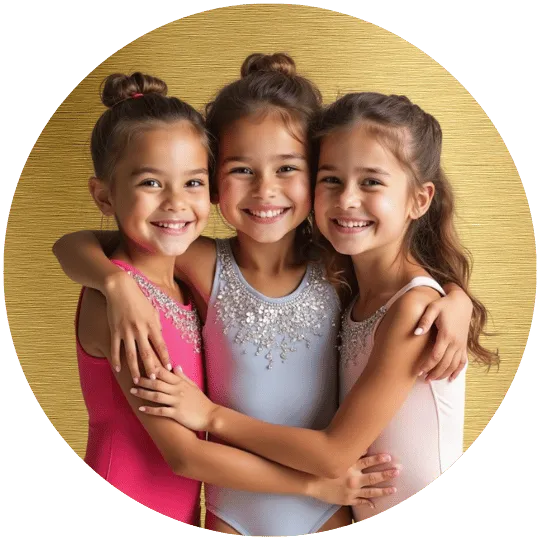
(426, 434)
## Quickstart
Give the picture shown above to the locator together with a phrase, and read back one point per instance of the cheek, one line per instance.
(299, 192)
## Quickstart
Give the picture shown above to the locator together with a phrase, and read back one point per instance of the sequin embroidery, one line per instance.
(186, 321)
(354, 336)
(263, 323)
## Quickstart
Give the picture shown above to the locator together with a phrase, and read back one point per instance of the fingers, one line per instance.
(461, 366)
(373, 493)
(166, 412)
(428, 318)
(147, 355)
(445, 362)
(170, 377)
(156, 384)
(374, 478)
(160, 347)
(363, 502)
(437, 353)
(115, 351)
(180, 373)
(373, 459)
(155, 397)
(454, 364)
(131, 357)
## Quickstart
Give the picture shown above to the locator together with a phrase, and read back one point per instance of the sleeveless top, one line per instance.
(426, 434)
(118, 448)
(274, 359)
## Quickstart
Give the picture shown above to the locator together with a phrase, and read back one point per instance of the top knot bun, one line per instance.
(119, 87)
(278, 62)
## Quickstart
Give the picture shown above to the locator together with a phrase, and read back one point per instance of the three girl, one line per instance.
(150, 155)
(272, 315)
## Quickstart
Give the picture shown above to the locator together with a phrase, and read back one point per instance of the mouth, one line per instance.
(351, 226)
(170, 227)
(268, 215)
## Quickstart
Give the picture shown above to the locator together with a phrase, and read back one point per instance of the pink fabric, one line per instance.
(119, 449)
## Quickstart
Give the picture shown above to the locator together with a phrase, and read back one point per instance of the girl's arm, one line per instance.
(452, 317)
(371, 404)
(132, 319)
(189, 456)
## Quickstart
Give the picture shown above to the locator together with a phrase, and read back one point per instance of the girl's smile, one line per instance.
(263, 178)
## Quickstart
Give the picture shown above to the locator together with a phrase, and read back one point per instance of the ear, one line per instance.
(422, 200)
(102, 195)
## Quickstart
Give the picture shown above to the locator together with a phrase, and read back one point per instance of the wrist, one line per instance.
(311, 486)
(112, 281)
(215, 421)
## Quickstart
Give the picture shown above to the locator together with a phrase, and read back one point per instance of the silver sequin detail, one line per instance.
(186, 321)
(274, 328)
(354, 335)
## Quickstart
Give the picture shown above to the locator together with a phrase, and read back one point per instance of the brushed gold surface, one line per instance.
(195, 56)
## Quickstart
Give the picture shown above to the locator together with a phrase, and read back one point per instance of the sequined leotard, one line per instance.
(118, 447)
(426, 434)
(274, 359)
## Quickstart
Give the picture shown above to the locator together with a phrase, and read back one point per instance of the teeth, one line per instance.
(171, 225)
(267, 214)
(352, 224)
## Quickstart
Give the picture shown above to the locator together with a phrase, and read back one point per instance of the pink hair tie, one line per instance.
(135, 96)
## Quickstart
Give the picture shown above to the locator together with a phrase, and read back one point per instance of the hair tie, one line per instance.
(136, 95)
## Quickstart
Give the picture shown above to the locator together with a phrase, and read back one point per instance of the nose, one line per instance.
(174, 200)
(265, 186)
(349, 197)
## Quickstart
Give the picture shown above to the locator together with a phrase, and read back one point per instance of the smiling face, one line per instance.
(363, 198)
(263, 177)
(159, 194)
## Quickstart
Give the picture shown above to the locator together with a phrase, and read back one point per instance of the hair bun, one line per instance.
(278, 62)
(119, 87)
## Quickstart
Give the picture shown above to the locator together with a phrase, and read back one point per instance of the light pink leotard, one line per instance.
(426, 434)
(119, 448)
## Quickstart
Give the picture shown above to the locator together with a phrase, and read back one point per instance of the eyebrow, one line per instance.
(374, 170)
(293, 155)
(153, 170)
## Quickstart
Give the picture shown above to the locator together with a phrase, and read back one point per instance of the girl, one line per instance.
(272, 316)
(382, 198)
(150, 155)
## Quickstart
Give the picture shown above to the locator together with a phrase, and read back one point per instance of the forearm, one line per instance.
(83, 260)
(230, 467)
(302, 449)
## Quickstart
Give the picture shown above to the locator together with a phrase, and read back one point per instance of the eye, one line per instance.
(150, 182)
(371, 182)
(195, 182)
(287, 169)
(329, 180)
(241, 170)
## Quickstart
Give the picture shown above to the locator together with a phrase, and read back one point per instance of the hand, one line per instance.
(357, 488)
(185, 401)
(452, 317)
(135, 323)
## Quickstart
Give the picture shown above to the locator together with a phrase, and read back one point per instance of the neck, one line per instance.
(157, 268)
(268, 258)
(381, 273)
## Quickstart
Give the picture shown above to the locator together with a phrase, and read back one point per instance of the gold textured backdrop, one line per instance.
(195, 56)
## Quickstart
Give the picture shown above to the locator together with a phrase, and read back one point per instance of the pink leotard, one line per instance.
(119, 448)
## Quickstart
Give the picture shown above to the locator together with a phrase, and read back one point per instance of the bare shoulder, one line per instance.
(93, 327)
(197, 265)
(402, 317)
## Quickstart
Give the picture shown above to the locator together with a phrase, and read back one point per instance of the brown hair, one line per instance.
(134, 102)
(415, 138)
(268, 83)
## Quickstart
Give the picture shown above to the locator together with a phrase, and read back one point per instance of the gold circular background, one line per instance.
(197, 55)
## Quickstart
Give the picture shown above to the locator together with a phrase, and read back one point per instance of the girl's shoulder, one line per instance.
(198, 264)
